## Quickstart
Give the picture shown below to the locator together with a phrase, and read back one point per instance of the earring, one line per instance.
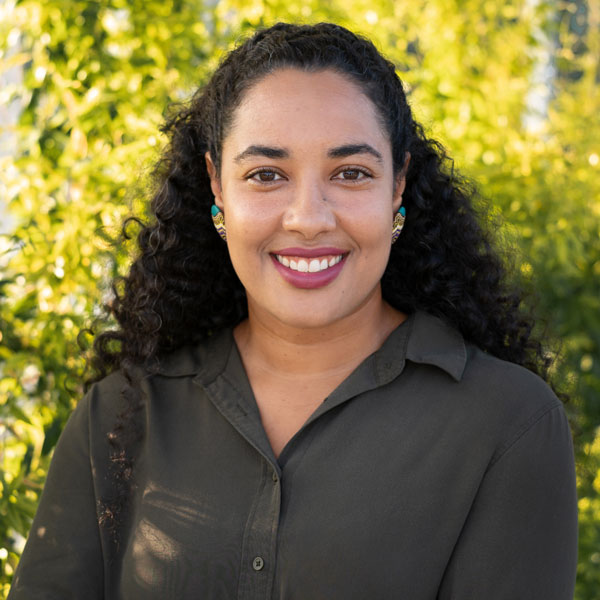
(218, 221)
(398, 223)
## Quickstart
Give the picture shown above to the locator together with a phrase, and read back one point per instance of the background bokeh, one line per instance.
(510, 87)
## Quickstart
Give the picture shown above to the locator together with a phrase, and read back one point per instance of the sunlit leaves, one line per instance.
(93, 81)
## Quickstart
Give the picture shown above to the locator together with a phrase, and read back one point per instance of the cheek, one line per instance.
(248, 233)
(371, 226)
(247, 223)
(373, 234)
(247, 212)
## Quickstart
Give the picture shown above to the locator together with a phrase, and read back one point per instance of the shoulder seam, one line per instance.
(527, 426)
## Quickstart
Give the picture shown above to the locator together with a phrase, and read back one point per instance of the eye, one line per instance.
(264, 176)
(353, 174)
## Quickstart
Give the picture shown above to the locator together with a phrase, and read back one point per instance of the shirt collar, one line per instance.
(422, 338)
(434, 342)
(208, 358)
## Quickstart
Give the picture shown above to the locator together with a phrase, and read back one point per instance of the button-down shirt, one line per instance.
(434, 471)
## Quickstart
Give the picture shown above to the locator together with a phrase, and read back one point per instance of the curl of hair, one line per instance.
(182, 287)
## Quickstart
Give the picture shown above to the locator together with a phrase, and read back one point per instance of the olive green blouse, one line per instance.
(434, 471)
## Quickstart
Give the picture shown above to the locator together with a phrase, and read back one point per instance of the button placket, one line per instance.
(259, 545)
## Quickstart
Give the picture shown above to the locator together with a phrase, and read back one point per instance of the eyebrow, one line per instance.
(267, 151)
(351, 149)
(337, 152)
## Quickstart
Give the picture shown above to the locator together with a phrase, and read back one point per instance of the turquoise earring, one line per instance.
(218, 221)
(398, 224)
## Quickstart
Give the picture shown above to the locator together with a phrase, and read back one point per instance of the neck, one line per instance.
(289, 352)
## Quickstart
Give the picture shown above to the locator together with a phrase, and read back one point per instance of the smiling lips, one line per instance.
(311, 265)
(309, 268)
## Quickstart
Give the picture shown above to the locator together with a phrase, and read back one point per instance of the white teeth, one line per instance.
(314, 266)
(308, 266)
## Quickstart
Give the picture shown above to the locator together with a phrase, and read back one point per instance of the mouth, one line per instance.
(309, 268)
(309, 265)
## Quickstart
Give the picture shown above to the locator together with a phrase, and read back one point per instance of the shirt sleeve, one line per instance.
(63, 555)
(520, 538)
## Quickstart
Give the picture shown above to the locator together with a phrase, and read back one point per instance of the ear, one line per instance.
(215, 183)
(400, 184)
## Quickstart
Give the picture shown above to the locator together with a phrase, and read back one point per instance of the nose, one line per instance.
(309, 213)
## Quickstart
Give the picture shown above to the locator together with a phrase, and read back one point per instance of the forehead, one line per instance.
(292, 106)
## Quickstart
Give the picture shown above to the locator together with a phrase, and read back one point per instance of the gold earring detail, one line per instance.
(398, 223)
(218, 221)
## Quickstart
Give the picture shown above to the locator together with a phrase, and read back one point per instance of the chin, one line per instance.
(307, 322)
(310, 318)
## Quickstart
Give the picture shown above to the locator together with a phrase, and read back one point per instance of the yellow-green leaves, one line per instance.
(511, 88)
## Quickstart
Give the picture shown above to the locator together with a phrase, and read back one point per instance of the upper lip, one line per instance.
(309, 252)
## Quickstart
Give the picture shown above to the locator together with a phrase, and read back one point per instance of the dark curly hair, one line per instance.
(182, 286)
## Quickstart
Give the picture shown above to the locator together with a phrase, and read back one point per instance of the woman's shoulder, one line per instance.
(479, 375)
(114, 392)
(478, 395)
(506, 384)
(103, 402)
(505, 401)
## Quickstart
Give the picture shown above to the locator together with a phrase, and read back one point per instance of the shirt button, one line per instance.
(275, 478)
(258, 563)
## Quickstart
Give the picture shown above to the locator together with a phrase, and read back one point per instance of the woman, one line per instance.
(304, 408)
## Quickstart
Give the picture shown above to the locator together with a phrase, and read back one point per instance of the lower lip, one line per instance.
(309, 281)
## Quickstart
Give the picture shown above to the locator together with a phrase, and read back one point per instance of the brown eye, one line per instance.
(353, 175)
(265, 176)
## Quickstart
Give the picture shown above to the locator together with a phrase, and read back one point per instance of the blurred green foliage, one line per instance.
(511, 88)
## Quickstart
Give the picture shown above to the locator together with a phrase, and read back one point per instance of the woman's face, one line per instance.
(308, 194)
